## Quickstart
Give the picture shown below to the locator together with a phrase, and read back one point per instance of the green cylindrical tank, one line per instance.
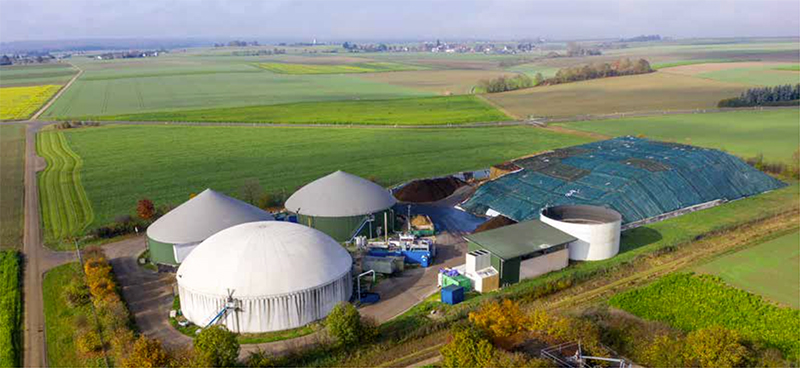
(161, 253)
(343, 228)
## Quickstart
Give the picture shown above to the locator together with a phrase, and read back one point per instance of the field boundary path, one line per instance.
(36, 258)
(58, 94)
(533, 122)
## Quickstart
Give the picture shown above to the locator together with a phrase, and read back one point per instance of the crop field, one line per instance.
(444, 82)
(791, 68)
(747, 134)
(415, 111)
(60, 329)
(674, 64)
(125, 92)
(168, 163)
(647, 92)
(770, 269)
(12, 185)
(18, 103)
(692, 302)
(767, 75)
(10, 310)
(366, 67)
(66, 210)
(29, 75)
(532, 69)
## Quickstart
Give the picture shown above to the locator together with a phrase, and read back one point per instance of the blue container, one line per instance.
(452, 294)
(423, 258)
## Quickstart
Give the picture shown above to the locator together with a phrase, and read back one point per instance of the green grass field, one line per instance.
(647, 92)
(60, 327)
(30, 75)
(532, 69)
(66, 210)
(12, 185)
(415, 111)
(692, 302)
(366, 67)
(744, 133)
(791, 68)
(670, 64)
(758, 76)
(145, 88)
(10, 309)
(770, 269)
(168, 163)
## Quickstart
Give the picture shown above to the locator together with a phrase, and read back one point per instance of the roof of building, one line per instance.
(267, 258)
(517, 240)
(203, 216)
(636, 177)
(340, 195)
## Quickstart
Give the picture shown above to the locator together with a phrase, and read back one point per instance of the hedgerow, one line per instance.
(692, 302)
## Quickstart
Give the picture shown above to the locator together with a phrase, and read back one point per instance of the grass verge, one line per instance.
(60, 328)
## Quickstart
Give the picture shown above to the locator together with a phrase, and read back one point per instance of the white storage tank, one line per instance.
(597, 230)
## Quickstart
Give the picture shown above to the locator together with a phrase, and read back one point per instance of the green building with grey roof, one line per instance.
(524, 250)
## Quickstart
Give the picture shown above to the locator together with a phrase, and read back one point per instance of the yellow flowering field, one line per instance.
(21, 102)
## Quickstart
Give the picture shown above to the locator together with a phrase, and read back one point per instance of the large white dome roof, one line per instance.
(339, 195)
(203, 216)
(261, 259)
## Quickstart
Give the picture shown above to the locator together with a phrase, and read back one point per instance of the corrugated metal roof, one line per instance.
(517, 240)
(202, 216)
(340, 195)
(638, 178)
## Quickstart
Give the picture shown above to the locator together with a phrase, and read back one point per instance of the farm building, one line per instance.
(343, 205)
(524, 250)
(173, 236)
(264, 276)
(642, 180)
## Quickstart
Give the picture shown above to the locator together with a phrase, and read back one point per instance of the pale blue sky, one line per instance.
(394, 19)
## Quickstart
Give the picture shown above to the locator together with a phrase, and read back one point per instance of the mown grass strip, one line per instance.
(66, 209)
(10, 310)
(60, 328)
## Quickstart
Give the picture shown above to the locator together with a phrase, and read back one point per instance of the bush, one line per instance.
(217, 347)
(715, 347)
(468, 347)
(499, 319)
(145, 209)
(76, 293)
(88, 341)
(260, 359)
(346, 326)
(147, 353)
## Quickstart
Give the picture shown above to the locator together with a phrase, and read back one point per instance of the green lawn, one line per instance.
(145, 88)
(12, 191)
(122, 164)
(670, 64)
(766, 75)
(691, 302)
(60, 316)
(744, 133)
(414, 111)
(770, 269)
(10, 309)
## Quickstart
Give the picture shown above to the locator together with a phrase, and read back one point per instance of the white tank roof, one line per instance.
(339, 195)
(261, 259)
(203, 216)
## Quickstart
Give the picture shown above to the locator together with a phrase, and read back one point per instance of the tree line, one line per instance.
(600, 70)
(785, 95)
(504, 83)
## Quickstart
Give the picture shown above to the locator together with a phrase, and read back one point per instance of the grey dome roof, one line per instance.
(261, 259)
(202, 216)
(339, 195)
